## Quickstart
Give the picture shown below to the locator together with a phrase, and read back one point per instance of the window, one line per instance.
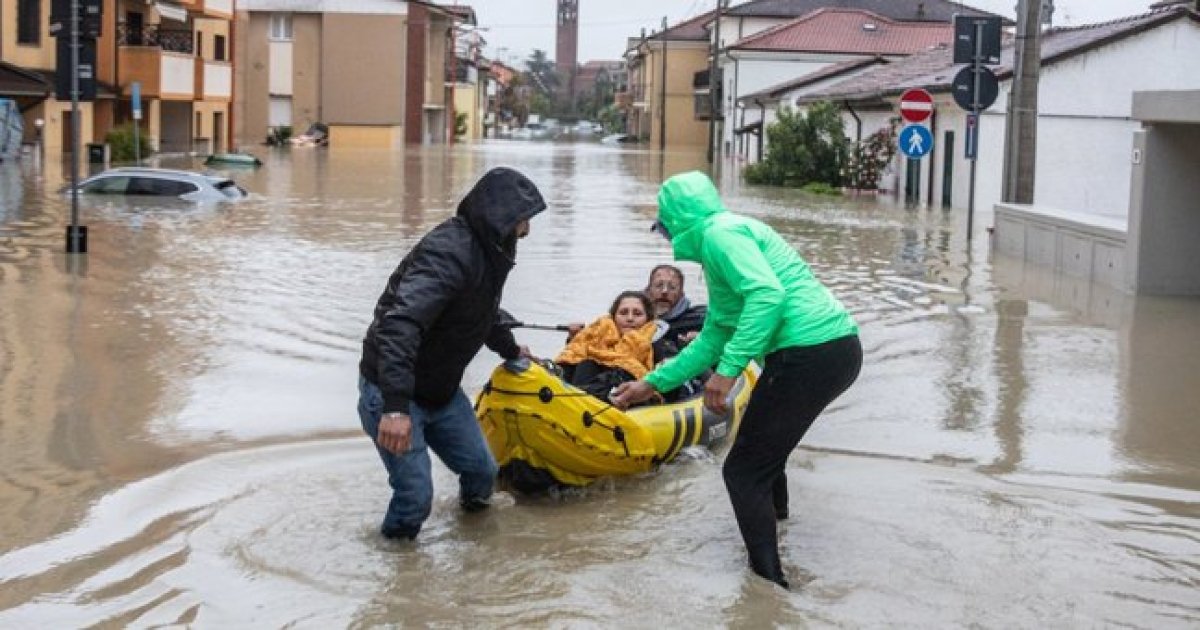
(219, 47)
(159, 187)
(199, 44)
(106, 186)
(281, 26)
(29, 21)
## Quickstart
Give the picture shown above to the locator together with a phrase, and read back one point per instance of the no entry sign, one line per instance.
(916, 105)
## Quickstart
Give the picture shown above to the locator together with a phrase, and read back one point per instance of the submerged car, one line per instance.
(161, 182)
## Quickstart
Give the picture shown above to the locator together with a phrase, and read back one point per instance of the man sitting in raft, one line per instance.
(613, 349)
(684, 320)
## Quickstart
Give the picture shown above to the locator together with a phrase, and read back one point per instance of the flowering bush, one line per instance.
(869, 159)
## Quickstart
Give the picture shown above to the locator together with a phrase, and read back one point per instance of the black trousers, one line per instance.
(795, 386)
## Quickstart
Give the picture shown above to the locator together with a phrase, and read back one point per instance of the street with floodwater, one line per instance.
(180, 443)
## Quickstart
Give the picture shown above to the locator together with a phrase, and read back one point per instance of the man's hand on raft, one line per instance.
(395, 432)
(716, 392)
(631, 393)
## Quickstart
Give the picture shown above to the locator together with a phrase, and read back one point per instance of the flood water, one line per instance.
(179, 442)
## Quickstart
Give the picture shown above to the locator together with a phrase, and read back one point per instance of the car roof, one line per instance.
(160, 172)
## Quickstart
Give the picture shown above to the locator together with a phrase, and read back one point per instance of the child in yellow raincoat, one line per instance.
(613, 349)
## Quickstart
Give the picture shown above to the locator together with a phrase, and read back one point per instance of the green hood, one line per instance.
(685, 203)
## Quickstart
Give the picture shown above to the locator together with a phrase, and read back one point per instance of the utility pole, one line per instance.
(713, 96)
(1020, 155)
(76, 234)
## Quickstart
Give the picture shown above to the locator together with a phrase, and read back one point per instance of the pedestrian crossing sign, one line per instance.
(915, 141)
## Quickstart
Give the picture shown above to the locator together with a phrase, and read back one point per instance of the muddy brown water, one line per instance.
(178, 441)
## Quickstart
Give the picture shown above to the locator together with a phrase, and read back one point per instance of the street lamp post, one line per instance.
(39, 125)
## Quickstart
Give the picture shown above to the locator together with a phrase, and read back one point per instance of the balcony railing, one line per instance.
(169, 39)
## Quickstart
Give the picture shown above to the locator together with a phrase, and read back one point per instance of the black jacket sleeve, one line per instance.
(434, 275)
(501, 340)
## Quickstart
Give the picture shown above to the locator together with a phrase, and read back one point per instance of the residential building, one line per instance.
(304, 61)
(1088, 214)
(813, 49)
(178, 53)
(747, 64)
(469, 72)
(662, 106)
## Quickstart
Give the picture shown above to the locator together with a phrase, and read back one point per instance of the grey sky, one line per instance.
(516, 27)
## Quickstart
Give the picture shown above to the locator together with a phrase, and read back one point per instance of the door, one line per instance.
(218, 133)
(68, 123)
(133, 29)
(948, 171)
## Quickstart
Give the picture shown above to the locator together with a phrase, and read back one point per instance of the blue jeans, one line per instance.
(453, 433)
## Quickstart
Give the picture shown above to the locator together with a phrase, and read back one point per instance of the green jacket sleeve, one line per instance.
(697, 356)
(734, 256)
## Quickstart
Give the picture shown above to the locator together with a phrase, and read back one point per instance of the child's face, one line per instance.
(630, 314)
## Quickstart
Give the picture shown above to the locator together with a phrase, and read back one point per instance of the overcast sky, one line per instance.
(516, 27)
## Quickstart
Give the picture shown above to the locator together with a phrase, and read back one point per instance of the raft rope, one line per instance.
(546, 395)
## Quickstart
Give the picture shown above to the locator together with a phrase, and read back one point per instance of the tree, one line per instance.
(803, 149)
(542, 74)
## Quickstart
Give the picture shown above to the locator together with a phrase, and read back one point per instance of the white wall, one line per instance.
(734, 29)
(178, 74)
(220, 6)
(1085, 104)
(1085, 133)
(753, 72)
(279, 63)
(218, 79)
(374, 7)
(788, 99)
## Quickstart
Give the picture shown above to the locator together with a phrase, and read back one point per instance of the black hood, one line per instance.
(500, 200)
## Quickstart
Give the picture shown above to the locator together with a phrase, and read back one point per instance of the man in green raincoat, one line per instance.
(763, 302)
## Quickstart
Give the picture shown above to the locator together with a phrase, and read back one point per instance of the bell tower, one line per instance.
(566, 54)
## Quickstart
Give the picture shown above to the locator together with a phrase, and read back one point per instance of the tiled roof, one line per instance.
(692, 29)
(828, 72)
(903, 10)
(935, 70)
(17, 81)
(849, 31)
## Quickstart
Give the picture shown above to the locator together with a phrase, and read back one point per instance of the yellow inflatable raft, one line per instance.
(544, 432)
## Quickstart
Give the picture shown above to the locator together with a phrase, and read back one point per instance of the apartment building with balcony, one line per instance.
(373, 71)
(27, 65)
(178, 52)
(660, 97)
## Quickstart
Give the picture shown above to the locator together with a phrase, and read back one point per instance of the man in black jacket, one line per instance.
(439, 307)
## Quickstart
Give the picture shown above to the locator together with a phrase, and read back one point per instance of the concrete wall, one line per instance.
(307, 70)
(368, 86)
(251, 78)
(366, 136)
(1165, 221)
(1078, 245)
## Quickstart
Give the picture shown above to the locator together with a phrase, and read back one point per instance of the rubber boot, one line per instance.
(765, 563)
